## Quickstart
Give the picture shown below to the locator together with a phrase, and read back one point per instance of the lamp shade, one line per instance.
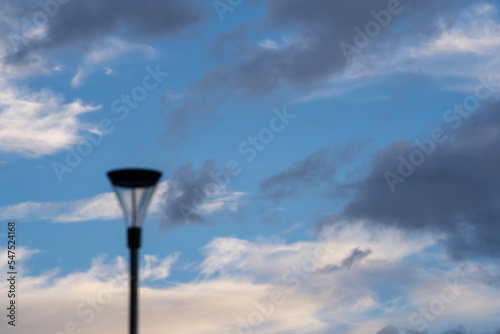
(134, 188)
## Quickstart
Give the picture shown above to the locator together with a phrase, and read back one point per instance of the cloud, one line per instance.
(105, 206)
(35, 124)
(270, 259)
(355, 256)
(454, 190)
(76, 24)
(22, 254)
(238, 293)
(470, 40)
(462, 330)
(389, 330)
(467, 35)
(156, 269)
(41, 123)
(459, 330)
(192, 195)
(462, 45)
(197, 107)
(320, 168)
(306, 58)
(224, 253)
(102, 206)
(85, 298)
(105, 52)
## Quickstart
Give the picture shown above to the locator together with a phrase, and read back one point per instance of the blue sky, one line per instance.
(328, 166)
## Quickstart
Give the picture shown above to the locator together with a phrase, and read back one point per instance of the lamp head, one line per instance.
(134, 188)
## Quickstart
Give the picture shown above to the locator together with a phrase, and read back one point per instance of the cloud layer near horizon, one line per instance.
(268, 287)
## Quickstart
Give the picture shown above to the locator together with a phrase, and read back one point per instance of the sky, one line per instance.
(327, 166)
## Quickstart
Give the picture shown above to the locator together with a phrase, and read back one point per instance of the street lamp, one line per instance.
(134, 188)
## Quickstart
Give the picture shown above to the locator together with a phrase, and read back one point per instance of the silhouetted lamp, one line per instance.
(134, 188)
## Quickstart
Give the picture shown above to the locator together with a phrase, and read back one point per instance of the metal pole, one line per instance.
(133, 268)
(133, 291)
(134, 242)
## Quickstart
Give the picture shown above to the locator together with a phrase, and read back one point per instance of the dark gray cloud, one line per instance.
(462, 330)
(455, 191)
(388, 330)
(458, 330)
(356, 255)
(321, 26)
(186, 194)
(316, 170)
(222, 46)
(197, 108)
(394, 330)
(77, 23)
(488, 276)
(309, 57)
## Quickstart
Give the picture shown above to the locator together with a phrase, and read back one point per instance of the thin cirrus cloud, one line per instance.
(107, 52)
(306, 303)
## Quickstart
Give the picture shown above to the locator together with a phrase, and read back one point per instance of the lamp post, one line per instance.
(134, 188)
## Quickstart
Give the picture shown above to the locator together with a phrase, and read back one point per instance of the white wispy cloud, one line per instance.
(106, 52)
(476, 32)
(283, 42)
(233, 255)
(37, 123)
(157, 269)
(465, 50)
(104, 206)
(33, 124)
